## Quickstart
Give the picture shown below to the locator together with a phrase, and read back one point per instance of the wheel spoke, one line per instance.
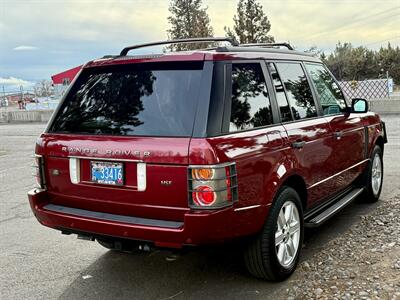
(291, 248)
(294, 228)
(286, 256)
(279, 237)
(281, 251)
(281, 220)
(376, 184)
(288, 213)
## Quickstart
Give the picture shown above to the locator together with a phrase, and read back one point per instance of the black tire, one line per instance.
(261, 255)
(370, 195)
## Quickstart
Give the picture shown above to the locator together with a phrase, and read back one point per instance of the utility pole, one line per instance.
(4, 99)
(22, 96)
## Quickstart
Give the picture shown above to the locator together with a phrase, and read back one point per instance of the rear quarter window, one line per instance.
(135, 99)
(251, 107)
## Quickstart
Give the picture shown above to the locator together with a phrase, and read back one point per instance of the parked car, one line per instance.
(250, 143)
(3, 102)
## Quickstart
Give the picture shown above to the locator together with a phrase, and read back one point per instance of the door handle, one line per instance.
(298, 144)
(338, 134)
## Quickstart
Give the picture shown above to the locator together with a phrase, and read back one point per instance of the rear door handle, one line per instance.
(338, 134)
(298, 144)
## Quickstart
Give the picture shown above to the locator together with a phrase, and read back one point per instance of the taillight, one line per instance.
(204, 196)
(39, 171)
(212, 186)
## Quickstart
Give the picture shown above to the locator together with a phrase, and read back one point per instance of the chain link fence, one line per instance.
(367, 89)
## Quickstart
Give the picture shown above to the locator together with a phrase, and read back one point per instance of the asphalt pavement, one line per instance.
(39, 263)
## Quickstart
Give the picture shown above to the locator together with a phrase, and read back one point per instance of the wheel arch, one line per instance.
(379, 142)
(297, 183)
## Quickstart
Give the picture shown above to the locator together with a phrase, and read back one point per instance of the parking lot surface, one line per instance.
(39, 263)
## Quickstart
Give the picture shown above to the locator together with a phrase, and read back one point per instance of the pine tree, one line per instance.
(188, 19)
(251, 24)
(358, 63)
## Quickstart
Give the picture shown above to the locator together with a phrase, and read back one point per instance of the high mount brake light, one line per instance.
(212, 186)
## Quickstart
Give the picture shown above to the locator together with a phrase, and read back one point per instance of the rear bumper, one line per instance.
(199, 227)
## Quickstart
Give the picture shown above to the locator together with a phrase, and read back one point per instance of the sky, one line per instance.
(39, 38)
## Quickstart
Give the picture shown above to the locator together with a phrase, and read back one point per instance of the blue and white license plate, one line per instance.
(107, 172)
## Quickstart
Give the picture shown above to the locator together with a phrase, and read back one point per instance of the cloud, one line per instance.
(72, 32)
(321, 23)
(25, 48)
(13, 83)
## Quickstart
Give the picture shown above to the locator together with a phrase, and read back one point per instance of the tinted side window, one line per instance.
(330, 95)
(298, 90)
(283, 104)
(250, 100)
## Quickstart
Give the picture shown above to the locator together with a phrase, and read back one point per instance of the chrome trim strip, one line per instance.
(106, 158)
(227, 164)
(334, 175)
(246, 207)
(353, 130)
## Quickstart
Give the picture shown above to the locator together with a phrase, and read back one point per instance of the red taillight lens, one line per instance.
(204, 196)
(228, 184)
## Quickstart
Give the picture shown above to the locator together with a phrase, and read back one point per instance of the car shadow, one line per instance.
(202, 273)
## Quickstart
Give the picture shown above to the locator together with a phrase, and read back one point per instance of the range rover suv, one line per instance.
(250, 143)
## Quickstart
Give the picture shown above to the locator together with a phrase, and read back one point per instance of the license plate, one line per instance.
(107, 172)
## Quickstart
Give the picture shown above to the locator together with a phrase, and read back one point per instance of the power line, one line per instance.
(359, 20)
(385, 40)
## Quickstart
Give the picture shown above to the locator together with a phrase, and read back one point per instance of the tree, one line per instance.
(358, 63)
(388, 60)
(188, 19)
(314, 51)
(251, 24)
(43, 88)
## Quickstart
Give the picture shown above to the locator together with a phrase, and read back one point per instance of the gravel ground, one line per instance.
(363, 263)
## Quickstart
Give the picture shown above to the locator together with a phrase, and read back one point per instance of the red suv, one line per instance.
(243, 142)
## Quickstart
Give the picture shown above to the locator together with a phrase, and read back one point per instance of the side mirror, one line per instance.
(359, 105)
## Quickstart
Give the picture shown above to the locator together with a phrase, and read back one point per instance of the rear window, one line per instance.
(135, 99)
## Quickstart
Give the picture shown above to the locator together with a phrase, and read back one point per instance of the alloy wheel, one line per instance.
(287, 236)
(376, 176)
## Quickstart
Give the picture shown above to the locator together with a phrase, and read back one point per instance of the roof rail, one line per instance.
(233, 42)
(268, 45)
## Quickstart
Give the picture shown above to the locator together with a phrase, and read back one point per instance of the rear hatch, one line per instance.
(119, 141)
